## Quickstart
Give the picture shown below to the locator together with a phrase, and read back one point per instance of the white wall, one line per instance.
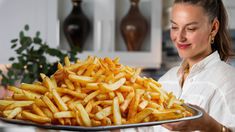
(14, 14)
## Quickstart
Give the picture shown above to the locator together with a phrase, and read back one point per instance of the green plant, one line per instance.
(31, 59)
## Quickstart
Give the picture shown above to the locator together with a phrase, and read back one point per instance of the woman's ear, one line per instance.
(215, 27)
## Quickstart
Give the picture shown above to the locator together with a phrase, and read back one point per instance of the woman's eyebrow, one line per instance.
(191, 23)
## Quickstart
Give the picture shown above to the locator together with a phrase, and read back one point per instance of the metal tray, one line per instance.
(196, 114)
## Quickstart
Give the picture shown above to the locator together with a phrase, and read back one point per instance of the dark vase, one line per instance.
(76, 26)
(134, 27)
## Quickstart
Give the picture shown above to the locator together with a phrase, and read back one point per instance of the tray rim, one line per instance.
(198, 114)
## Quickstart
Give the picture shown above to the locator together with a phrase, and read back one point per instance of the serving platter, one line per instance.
(196, 114)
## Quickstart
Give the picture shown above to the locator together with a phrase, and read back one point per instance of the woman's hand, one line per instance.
(205, 123)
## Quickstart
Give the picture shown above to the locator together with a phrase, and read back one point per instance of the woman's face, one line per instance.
(190, 32)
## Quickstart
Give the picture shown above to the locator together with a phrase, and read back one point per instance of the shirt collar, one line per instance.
(206, 62)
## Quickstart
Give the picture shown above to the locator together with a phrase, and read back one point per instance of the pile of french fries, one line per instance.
(92, 92)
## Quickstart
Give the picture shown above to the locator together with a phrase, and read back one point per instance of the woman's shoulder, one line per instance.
(225, 69)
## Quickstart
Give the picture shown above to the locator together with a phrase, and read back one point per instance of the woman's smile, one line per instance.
(183, 46)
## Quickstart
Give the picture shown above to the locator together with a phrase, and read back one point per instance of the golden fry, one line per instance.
(35, 118)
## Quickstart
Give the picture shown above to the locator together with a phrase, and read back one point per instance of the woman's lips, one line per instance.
(183, 46)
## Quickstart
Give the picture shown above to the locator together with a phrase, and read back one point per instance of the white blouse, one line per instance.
(210, 85)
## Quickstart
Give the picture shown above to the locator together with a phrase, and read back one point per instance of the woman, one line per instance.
(199, 32)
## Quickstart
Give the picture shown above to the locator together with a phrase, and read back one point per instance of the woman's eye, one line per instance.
(191, 29)
(174, 28)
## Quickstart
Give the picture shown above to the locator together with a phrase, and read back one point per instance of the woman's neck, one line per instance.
(196, 59)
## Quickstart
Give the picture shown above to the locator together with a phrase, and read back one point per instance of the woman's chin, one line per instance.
(183, 55)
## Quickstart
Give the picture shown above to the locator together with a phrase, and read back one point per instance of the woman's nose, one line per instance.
(181, 36)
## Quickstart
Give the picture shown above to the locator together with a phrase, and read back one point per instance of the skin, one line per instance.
(191, 33)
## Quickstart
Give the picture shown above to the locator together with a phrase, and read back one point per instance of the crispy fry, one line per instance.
(34, 88)
(14, 112)
(62, 106)
(50, 104)
(64, 114)
(140, 116)
(103, 113)
(15, 104)
(84, 115)
(81, 79)
(111, 87)
(90, 96)
(35, 118)
(69, 84)
(117, 118)
(37, 110)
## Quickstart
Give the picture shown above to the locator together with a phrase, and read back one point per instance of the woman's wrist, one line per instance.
(211, 125)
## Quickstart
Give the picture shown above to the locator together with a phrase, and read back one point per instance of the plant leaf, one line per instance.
(14, 40)
(13, 46)
(21, 34)
(11, 59)
(37, 40)
(27, 79)
(10, 73)
(26, 27)
(37, 34)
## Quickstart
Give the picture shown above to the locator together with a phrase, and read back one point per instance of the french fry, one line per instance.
(64, 114)
(18, 104)
(71, 92)
(89, 106)
(95, 122)
(103, 113)
(92, 86)
(89, 70)
(81, 79)
(59, 66)
(14, 112)
(50, 104)
(120, 97)
(31, 95)
(111, 87)
(48, 113)
(39, 102)
(15, 89)
(69, 84)
(90, 96)
(48, 83)
(34, 88)
(117, 118)
(84, 115)
(35, 118)
(136, 74)
(143, 105)
(78, 118)
(66, 61)
(65, 98)
(140, 116)
(19, 97)
(37, 110)
(127, 101)
(134, 103)
(61, 105)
